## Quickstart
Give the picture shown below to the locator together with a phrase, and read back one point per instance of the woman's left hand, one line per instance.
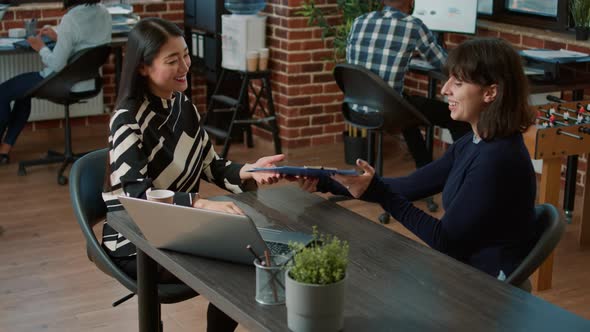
(262, 177)
(36, 43)
(357, 184)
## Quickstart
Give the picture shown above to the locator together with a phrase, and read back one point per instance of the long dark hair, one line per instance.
(143, 44)
(72, 3)
(487, 61)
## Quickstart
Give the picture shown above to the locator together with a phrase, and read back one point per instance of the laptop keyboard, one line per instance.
(277, 248)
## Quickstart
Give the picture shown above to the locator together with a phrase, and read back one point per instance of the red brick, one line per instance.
(323, 55)
(322, 78)
(326, 139)
(25, 14)
(296, 143)
(510, 37)
(176, 6)
(51, 13)
(298, 101)
(322, 119)
(289, 132)
(334, 108)
(8, 16)
(295, 122)
(326, 99)
(334, 128)
(155, 7)
(532, 42)
(311, 131)
(481, 32)
(331, 88)
(311, 110)
(554, 45)
(174, 17)
(298, 57)
(295, 35)
(294, 23)
(312, 67)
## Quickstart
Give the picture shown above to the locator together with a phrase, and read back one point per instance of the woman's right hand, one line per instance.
(221, 206)
(49, 32)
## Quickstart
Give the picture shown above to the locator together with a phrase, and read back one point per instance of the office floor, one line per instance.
(48, 284)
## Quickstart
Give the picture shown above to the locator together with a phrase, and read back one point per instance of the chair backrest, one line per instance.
(552, 226)
(363, 87)
(82, 66)
(86, 186)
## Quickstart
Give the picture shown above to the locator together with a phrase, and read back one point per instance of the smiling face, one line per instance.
(468, 100)
(167, 72)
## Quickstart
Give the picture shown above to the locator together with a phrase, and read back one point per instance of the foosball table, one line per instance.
(562, 130)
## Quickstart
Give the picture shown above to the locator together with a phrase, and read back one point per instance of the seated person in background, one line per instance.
(384, 42)
(156, 141)
(86, 24)
(486, 178)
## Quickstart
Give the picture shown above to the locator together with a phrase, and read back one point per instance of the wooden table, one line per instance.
(394, 283)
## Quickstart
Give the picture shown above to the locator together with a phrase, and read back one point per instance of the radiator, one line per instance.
(14, 64)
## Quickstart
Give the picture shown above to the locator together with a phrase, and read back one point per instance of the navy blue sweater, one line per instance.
(488, 192)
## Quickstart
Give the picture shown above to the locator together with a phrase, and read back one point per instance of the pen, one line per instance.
(251, 250)
(272, 284)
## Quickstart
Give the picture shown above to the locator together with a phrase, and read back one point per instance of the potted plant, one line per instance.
(315, 285)
(580, 11)
(323, 18)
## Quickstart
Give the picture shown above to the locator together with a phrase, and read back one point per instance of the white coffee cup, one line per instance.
(263, 59)
(161, 195)
(252, 61)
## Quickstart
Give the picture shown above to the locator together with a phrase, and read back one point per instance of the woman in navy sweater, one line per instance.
(486, 178)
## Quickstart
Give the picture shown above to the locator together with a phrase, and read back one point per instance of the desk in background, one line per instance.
(393, 283)
(14, 61)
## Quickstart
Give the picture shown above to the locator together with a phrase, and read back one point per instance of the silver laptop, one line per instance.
(207, 233)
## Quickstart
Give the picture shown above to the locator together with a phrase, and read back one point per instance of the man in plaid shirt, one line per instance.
(384, 42)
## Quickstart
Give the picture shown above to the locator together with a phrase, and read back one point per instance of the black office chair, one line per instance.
(86, 184)
(391, 111)
(553, 228)
(82, 66)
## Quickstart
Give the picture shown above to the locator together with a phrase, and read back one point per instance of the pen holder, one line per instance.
(270, 280)
(354, 148)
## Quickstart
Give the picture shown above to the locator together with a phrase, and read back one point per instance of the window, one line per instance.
(536, 7)
(544, 14)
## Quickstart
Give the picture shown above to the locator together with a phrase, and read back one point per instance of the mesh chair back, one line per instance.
(363, 87)
(552, 230)
(82, 66)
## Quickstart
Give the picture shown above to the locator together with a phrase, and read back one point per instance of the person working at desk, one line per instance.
(486, 178)
(86, 24)
(384, 42)
(156, 141)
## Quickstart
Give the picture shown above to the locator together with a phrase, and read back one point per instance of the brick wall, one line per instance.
(307, 100)
(305, 94)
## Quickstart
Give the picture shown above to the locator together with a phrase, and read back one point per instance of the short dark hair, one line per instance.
(487, 61)
(143, 44)
(72, 3)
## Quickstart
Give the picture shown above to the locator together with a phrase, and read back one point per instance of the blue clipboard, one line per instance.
(306, 171)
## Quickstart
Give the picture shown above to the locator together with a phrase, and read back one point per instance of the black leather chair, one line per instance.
(82, 66)
(553, 228)
(86, 185)
(391, 111)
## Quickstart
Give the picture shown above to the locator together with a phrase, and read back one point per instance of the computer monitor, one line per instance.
(447, 15)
